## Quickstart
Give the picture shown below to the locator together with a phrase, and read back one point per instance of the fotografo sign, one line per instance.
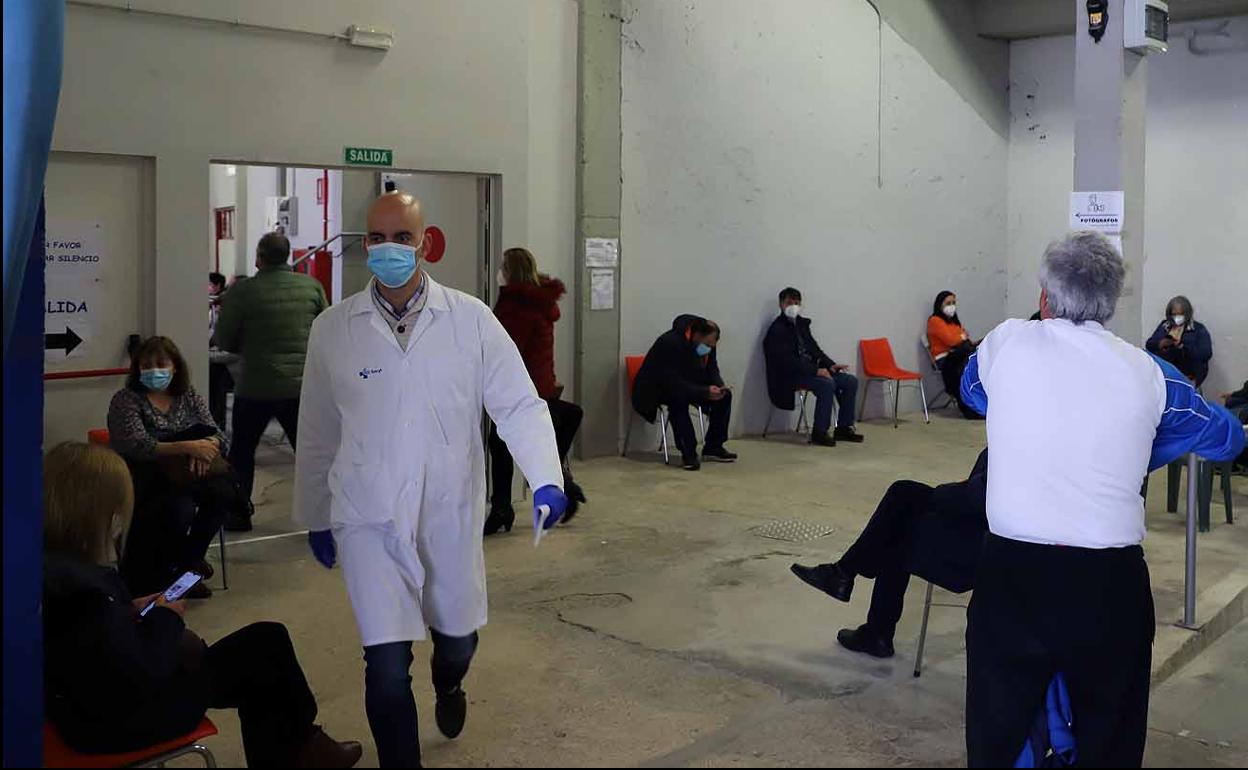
(368, 156)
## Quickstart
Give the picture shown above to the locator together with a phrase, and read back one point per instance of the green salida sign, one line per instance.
(368, 156)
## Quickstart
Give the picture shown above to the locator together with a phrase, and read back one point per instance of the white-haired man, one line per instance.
(1076, 418)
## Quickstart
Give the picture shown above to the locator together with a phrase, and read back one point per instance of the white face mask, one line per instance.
(950, 310)
(501, 277)
(793, 311)
(1179, 320)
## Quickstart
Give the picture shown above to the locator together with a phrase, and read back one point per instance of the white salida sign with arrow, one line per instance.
(74, 271)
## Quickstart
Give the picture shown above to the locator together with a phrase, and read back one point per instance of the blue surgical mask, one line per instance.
(703, 349)
(156, 379)
(394, 264)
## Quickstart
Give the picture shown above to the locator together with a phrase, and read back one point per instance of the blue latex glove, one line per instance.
(552, 496)
(323, 548)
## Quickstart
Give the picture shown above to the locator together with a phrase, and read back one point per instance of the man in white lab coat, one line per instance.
(390, 468)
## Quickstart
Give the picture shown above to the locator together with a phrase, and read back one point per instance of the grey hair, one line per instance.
(1082, 274)
(1185, 307)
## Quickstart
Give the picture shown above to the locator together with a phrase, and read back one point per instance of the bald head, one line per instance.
(396, 217)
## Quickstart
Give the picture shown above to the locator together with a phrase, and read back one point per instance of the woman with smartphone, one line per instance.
(122, 673)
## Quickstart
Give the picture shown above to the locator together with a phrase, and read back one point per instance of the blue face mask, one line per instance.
(703, 350)
(156, 379)
(394, 264)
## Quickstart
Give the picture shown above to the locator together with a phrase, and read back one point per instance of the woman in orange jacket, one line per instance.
(951, 346)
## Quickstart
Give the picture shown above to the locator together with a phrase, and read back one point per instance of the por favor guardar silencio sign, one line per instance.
(367, 156)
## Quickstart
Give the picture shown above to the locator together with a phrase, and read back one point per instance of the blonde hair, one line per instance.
(520, 266)
(88, 501)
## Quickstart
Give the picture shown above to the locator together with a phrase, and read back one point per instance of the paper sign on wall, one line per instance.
(602, 289)
(602, 252)
(1099, 211)
(74, 270)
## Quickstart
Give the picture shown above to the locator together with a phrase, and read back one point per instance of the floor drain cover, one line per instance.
(794, 530)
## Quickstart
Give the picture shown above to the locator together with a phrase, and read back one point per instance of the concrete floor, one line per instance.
(660, 629)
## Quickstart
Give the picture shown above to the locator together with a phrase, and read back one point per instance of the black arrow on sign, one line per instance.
(67, 341)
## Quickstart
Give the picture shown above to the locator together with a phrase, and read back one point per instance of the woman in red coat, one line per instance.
(528, 306)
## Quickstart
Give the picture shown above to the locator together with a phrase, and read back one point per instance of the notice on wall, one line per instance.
(74, 270)
(601, 289)
(602, 252)
(1099, 211)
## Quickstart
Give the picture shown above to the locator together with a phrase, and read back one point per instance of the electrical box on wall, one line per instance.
(282, 215)
(1146, 26)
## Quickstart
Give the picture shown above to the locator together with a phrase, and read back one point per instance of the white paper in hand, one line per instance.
(539, 530)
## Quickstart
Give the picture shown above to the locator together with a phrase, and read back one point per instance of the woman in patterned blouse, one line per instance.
(166, 433)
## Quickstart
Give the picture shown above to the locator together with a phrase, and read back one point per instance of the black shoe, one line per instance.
(451, 712)
(829, 578)
(847, 434)
(861, 639)
(718, 455)
(237, 523)
(575, 496)
(822, 439)
(319, 750)
(199, 591)
(501, 517)
(691, 463)
(205, 570)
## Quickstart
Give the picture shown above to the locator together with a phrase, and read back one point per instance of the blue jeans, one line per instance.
(388, 698)
(843, 388)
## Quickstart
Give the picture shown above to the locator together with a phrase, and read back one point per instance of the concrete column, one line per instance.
(598, 363)
(1110, 98)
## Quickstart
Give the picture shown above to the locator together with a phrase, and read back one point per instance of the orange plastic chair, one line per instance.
(878, 365)
(98, 436)
(56, 753)
(632, 365)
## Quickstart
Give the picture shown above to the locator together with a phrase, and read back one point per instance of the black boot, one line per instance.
(829, 578)
(451, 712)
(502, 516)
(822, 439)
(863, 639)
(847, 434)
(575, 495)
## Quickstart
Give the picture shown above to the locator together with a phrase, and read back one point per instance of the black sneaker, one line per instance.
(502, 517)
(847, 434)
(862, 640)
(691, 463)
(451, 712)
(829, 578)
(822, 439)
(718, 455)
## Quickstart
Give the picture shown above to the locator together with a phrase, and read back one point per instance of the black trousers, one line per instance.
(219, 384)
(951, 368)
(1038, 610)
(566, 417)
(251, 418)
(255, 670)
(718, 414)
(173, 526)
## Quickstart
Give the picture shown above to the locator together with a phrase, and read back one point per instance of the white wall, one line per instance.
(454, 94)
(1196, 196)
(262, 184)
(750, 164)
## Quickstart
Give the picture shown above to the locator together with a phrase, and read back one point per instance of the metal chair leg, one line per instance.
(225, 573)
(862, 398)
(927, 611)
(803, 423)
(896, 400)
(663, 431)
(927, 417)
(628, 432)
(771, 413)
(701, 425)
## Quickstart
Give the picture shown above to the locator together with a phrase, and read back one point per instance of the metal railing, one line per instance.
(315, 249)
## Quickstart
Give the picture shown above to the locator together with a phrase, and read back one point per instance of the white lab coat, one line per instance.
(390, 456)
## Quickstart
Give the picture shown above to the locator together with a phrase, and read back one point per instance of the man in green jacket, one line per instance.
(267, 320)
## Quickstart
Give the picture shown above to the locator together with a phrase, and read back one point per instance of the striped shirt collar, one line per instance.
(414, 305)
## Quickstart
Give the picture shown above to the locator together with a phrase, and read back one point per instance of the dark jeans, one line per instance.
(219, 384)
(718, 413)
(951, 368)
(255, 671)
(1038, 610)
(388, 698)
(251, 418)
(841, 389)
(566, 417)
(173, 526)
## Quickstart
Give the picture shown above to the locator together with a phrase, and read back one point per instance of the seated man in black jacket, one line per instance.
(681, 371)
(795, 360)
(935, 533)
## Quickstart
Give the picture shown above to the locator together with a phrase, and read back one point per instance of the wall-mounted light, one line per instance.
(1098, 18)
(370, 37)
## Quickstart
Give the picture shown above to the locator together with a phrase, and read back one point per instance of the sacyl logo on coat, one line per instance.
(365, 373)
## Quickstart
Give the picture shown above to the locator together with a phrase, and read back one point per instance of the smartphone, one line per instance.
(177, 590)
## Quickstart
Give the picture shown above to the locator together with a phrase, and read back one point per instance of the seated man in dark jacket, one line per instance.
(935, 533)
(795, 360)
(681, 371)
